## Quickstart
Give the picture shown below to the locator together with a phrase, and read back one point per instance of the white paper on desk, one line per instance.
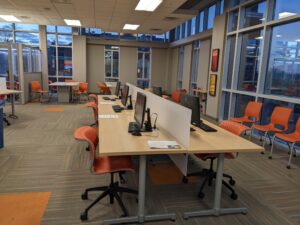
(107, 103)
(108, 116)
(163, 144)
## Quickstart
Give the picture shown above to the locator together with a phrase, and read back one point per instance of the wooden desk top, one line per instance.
(9, 92)
(114, 138)
(68, 84)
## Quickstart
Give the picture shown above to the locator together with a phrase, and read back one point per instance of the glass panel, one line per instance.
(51, 39)
(231, 48)
(233, 21)
(193, 25)
(255, 14)
(108, 55)
(140, 65)
(283, 76)
(64, 29)
(268, 107)
(241, 102)
(115, 64)
(128, 36)
(6, 26)
(15, 67)
(51, 60)
(64, 61)
(182, 31)
(225, 99)
(250, 60)
(4, 62)
(222, 7)
(112, 35)
(284, 9)
(201, 21)
(144, 37)
(194, 70)
(187, 28)
(6, 36)
(27, 38)
(27, 27)
(50, 28)
(211, 16)
(36, 60)
(147, 65)
(27, 60)
(64, 40)
(158, 37)
(233, 3)
(167, 36)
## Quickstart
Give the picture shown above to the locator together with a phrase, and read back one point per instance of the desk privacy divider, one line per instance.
(172, 117)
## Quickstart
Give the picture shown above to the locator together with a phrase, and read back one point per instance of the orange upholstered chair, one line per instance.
(94, 107)
(280, 117)
(290, 138)
(251, 115)
(83, 89)
(36, 88)
(210, 174)
(94, 98)
(103, 88)
(104, 165)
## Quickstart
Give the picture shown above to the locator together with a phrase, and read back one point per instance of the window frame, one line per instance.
(143, 66)
(112, 79)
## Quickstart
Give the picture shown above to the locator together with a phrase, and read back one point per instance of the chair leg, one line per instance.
(251, 132)
(6, 121)
(265, 137)
(119, 200)
(233, 194)
(206, 179)
(271, 152)
(126, 190)
(291, 155)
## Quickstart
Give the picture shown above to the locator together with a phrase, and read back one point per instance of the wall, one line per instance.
(172, 70)
(187, 66)
(79, 58)
(159, 67)
(28, 77)
(218, 39)
(128, 65)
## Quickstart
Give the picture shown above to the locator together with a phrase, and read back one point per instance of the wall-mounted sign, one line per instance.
(215, 60)
(212, 85)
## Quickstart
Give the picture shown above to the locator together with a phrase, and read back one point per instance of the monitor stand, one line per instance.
(192, 129)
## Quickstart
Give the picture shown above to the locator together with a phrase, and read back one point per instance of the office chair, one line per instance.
(37, 89)
(104, 90)
(251, 115)
(94, 107)
(104, 165)
(83, 90)
(94, 98)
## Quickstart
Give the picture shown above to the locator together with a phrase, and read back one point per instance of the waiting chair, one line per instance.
(103, 88)
(251, 115)
(104, 165)
(291, 138)
(280, 117)
(94, 107)
(94, 98)
(83, 90)
(210, 174)
(2, 104)
(36, 88)
(175, 96)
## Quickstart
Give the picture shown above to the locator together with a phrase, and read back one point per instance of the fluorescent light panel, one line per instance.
(298, 40)
(131, 26)
(286, 14)
(148, 5)
(10, 18)
(72, 22)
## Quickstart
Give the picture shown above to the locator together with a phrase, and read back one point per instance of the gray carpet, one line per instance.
(41, 154)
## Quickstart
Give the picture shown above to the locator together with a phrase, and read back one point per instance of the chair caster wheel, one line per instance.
(201, 195)
(185, 180)
(270, 157)
(234, 196)
(288, 167)
(232, 182)
(84, 196)
(84, 216)
(87, 149)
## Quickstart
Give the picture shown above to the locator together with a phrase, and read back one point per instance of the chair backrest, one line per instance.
(281, 116)
(95, 111)
(36, 85)
(235, 128)
(83, 86)
(253, 110)
(176, 96)
(88, 134)
(297, 129)
(70, 80)
(94, 97)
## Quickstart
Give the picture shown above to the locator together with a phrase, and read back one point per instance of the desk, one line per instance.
(11, 92)
(64, 90)
(200, 142)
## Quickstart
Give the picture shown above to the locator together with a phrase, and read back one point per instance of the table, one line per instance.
(200, 142)
(11, 92)
(64, 90)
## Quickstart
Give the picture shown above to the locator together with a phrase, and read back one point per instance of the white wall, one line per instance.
(128, 65)
(79, 58)
(187, 66)
(159, 67)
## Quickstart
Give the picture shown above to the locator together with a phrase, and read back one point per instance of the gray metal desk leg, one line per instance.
(141, 217)
(13, 115)
(216, 210)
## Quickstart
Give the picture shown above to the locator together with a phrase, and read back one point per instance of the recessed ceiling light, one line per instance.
(130, 27)
(148, 5)
(10, 18)
(73, 22)
(285, 14)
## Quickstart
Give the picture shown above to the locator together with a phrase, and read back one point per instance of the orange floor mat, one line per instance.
(23, 208)
(54, 110)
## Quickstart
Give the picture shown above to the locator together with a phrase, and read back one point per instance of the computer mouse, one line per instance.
(113, 99)
(136, 133)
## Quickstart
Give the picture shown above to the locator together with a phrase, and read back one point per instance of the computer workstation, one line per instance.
(124, 99)
(117, 93)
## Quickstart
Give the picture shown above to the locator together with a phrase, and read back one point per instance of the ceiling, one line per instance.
(109, 15)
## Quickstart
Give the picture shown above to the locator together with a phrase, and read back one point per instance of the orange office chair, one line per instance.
(252, 111)
(36, 88)
(94, 98)
(280, 117)
(94, 107)
(83, 89)
(210, 174)
(103, 88)
(104, 165)
(291, 138)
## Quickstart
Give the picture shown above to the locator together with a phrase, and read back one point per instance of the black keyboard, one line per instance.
(207, 128)
(117, 108)
(133, 127)
(106, 98)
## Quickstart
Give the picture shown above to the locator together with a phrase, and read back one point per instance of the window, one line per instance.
(180, 67)
(194, 69)
(285, 9)
(59, 44)
(143, 67)
(27, 27)
(158, 37)
(127, 36)
(201, 21)
(144, 37)
(3, 61)
(283, 77)
(233, 21)
(187, 29)
(182, 31)
(250, 60)
(112, 54)
(226, 102)
(230, 60)
(241, 102)
(211, 16)
(6, 36)
(193, 25)
(32, 60)
(255, 14)
(167, 36)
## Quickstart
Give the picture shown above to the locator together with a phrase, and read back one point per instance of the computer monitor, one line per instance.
(193, 103)
(117, 90)
(140, 107)
(125, 92)
(157, 90)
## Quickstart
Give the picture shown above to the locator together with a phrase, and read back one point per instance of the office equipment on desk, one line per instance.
(124, 98)
(117, 93)
(157, 90)
(193, 103)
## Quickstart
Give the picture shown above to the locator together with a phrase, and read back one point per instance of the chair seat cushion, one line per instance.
(111, 164)
(233, 127)
(241, 120)
(268, 127)
(90, 104)
(292, 137)
(205, 156)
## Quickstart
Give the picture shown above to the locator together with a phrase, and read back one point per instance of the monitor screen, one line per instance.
(118, 88)
(140, 107)
(193, 103)
(157, 90)
(125, 93)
